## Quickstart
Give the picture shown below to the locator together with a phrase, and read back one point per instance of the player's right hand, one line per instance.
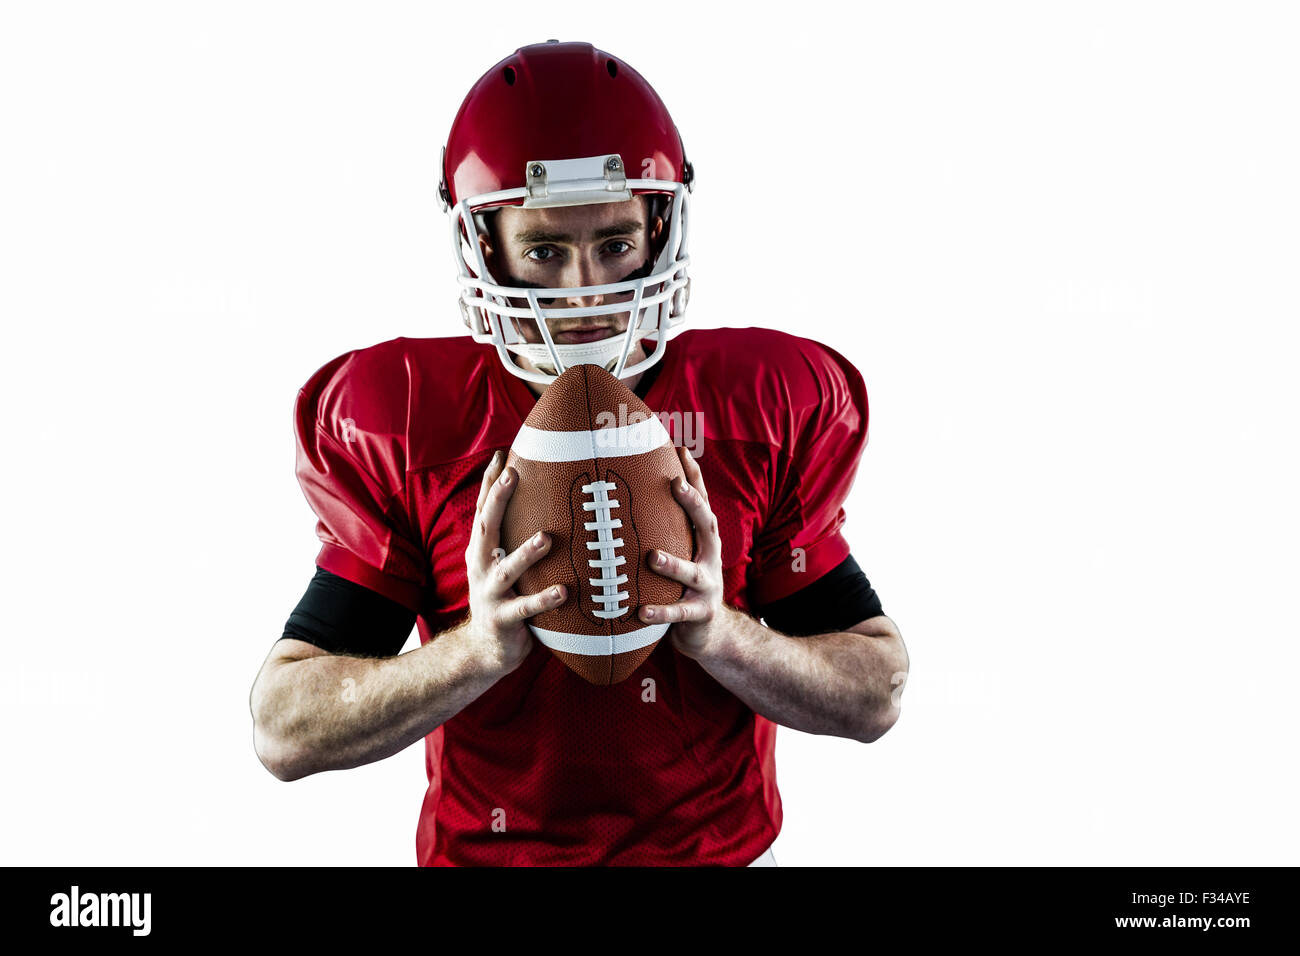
(497, 611)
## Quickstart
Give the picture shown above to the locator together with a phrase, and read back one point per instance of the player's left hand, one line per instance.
(695, 616)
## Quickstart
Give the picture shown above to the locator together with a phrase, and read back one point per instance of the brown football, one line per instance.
(595, 467)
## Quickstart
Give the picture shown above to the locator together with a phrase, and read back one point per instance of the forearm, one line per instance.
(842, 684)
(332, 712)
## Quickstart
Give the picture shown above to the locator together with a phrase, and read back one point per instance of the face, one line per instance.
(571, 246)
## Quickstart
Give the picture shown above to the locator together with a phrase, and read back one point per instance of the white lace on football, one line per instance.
(610, 597)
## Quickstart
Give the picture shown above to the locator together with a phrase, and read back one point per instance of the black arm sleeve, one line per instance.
(345, 618)
(837, 600)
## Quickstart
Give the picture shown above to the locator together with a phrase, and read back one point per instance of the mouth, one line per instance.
(584, 334)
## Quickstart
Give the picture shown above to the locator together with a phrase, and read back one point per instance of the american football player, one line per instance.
(567, 190)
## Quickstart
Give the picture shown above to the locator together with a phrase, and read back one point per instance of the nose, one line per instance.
(582, 273)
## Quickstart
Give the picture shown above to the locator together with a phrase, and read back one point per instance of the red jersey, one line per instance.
(667, 767)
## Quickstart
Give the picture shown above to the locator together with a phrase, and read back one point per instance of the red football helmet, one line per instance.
(562, 124)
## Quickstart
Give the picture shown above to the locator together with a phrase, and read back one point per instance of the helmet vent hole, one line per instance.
(612, 67)
(509, 73)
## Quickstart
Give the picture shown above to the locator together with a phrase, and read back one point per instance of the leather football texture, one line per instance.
(595, 469)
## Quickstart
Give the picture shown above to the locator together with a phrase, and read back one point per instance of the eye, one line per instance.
(627, 247)
(540, 254)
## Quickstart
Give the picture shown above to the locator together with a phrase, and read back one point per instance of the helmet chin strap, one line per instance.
(548, 368)
(606, 353)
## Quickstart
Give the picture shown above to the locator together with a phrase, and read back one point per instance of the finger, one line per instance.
(488, 520)
(507, 571)
(708, 546)
(687, 572)
(694, 609)
(692, 470)
(530, 605)
(493, 470)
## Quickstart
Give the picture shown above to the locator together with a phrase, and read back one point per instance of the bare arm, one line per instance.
(315, 711)
(846, 683)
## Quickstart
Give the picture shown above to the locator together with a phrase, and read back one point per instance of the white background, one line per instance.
(1059, 240)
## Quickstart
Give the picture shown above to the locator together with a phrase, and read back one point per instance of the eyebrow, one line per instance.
(624, 228)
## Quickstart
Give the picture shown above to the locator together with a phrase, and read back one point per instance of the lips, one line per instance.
(579, 336)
